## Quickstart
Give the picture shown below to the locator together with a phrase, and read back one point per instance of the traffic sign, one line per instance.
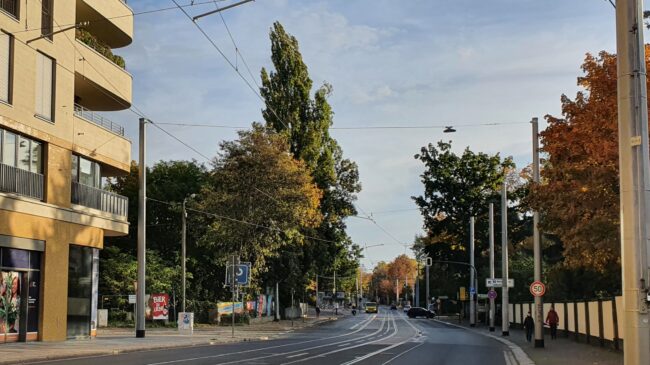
(429, 261)
(472, 290)
(492, 294)
(498, 283)
(537, 289)
(242, 274)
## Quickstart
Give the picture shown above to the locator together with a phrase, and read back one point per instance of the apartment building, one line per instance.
(57, 70)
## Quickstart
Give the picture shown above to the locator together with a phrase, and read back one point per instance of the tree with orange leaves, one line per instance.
(579, 193)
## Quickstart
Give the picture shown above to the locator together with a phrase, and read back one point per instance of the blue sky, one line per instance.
(392, 63)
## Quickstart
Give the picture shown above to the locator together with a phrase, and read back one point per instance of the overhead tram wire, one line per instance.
(237, 50)
(382, 228)
(198, 125)
(132, 108)
(214, 45)
(238, 220)
(145, 12)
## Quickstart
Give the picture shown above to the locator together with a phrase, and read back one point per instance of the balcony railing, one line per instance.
(99, 199)
(95, 118)
(22, 182)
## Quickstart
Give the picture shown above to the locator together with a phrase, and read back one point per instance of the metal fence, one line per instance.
(96, 118)
(100, 199)
(22, 182)
(590, 321)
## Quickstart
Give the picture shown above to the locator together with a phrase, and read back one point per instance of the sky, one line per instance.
(464, 63)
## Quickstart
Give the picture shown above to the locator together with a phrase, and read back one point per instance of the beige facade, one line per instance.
(55, 150)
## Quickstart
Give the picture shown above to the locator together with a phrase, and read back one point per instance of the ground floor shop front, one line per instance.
(48, 278)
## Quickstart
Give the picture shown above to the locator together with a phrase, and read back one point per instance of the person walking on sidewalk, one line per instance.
(552, 319)
(529, 325)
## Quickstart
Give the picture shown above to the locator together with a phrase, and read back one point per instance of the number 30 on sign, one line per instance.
(537, 289)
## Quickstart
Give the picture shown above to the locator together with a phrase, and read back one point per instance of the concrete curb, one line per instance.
(520, 355)
(152, 347)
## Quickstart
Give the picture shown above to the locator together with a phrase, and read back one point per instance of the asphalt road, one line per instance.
(388, 337)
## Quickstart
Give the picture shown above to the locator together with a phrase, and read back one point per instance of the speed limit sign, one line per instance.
(537, 289)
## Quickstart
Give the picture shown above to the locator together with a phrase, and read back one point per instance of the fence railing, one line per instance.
(96, 118)
(22, 182)
(103, 200)
(590, 321)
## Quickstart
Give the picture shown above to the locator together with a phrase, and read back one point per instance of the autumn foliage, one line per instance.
(579, 194)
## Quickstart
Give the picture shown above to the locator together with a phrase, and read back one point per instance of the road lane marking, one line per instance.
(368, 321)
(291, 352)
(401, 353)
(359, 345)
(298, 355)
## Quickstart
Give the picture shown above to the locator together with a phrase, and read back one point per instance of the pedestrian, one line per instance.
(529, 326)
(317, 311)
(552, 319)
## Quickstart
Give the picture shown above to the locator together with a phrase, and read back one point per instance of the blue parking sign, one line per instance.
(242, 274)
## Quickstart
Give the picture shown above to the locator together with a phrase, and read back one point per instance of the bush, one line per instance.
(91, 41)
(226, 319)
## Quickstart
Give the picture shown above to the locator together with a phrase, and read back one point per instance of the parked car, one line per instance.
(420, 312)
(393, 306)
(406, 308)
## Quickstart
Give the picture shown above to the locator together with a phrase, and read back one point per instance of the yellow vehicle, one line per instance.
(371, 307)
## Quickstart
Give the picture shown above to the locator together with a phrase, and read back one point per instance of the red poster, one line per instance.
(260, 305)
(159, 304)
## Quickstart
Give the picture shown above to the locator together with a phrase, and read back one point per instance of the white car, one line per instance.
(406, 308)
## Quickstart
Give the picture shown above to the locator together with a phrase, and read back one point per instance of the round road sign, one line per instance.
(492, 294)
(537, 289)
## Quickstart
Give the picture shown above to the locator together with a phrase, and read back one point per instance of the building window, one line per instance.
(86, 172)
(10, 6)
(6, 55)
(21, 152)
(44, 87)
(47, 18)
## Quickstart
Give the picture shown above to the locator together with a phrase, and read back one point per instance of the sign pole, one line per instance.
(537, 248)
(492, 306)
(505, 305)
(427, 283)
(232, 283)
(472, 289)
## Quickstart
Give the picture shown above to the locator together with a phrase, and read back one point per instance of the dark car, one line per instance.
(393, 307)
(420, 312)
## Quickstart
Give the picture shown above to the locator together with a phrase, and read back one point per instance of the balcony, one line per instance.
(95, 118)
(99, 199)
(21, 182)
(115, 25)
(102, 48)
(100, 84)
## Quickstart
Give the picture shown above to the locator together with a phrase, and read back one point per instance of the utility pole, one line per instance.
(183, 247)
(417, 285)
(537, 245)
(277, 302)
(472, 289)
(317, 302)
(397, 291)
(427, 284)
(142, 235)
(634, 179)
(505, 316)
(232, 287)
(492, 306)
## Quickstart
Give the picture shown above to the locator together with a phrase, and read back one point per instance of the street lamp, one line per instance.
(361, 274)
(183, 246)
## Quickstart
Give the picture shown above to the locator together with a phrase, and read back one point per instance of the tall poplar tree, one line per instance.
(305, 120)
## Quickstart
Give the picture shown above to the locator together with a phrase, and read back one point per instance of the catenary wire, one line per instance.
(238, 220)
(215, 46)
(198, 125)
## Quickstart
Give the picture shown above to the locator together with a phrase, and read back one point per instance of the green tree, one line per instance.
(291, 110)
(262, 200)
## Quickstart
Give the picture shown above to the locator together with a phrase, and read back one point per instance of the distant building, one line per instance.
(55, 151)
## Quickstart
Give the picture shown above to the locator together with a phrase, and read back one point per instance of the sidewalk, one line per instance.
(111, 341)
(562, 351)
